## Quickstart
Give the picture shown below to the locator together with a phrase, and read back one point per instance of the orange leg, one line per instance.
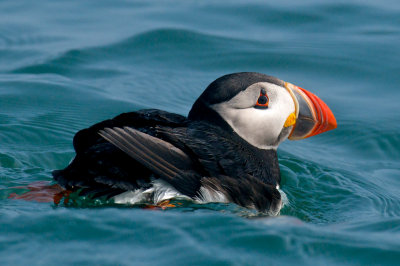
(41, 191)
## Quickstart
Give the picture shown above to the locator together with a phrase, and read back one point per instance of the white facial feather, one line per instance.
(259, 127)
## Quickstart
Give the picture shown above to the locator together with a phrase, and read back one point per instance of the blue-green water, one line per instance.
(65, 65)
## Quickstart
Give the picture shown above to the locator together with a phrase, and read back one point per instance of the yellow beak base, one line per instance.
(291, 120)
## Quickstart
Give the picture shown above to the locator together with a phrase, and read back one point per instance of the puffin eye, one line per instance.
(263, 100)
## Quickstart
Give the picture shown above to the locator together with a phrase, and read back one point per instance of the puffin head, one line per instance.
(263, 110)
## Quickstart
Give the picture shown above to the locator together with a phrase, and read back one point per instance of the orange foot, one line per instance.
(41, 191)
(161, 205)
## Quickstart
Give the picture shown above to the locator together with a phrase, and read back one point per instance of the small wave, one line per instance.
(164, 47)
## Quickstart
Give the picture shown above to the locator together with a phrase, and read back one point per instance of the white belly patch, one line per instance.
(162, 190)
(159, 191)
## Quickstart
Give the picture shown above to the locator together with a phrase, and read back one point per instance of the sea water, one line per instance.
(65, 65)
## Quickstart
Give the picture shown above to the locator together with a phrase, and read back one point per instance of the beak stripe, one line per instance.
(289, 87)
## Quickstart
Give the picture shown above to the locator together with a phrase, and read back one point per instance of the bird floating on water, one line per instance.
(224, 151)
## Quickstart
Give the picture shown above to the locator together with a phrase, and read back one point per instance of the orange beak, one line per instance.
(314, 116)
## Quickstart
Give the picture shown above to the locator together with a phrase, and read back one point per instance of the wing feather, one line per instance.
(157, 155)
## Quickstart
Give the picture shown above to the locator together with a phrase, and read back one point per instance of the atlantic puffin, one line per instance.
(224, 151)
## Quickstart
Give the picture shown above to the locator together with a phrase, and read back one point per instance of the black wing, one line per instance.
(103, 169)
(162, 158)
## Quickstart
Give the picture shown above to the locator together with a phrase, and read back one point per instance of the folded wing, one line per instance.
(164, 159)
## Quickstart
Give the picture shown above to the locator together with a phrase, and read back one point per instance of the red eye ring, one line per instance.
(263, 100)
